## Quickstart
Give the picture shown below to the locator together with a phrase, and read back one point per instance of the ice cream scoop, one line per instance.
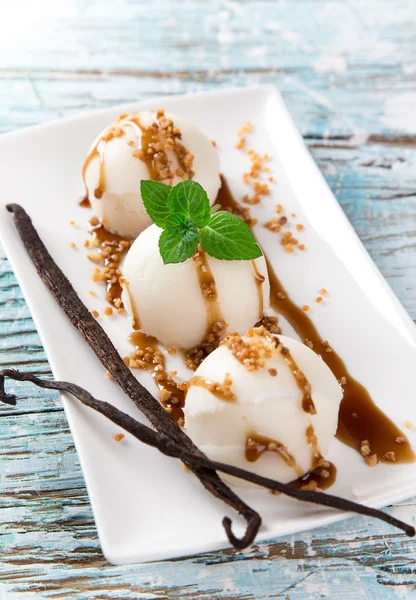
(181, 304)
(141, 146)
(264, 403)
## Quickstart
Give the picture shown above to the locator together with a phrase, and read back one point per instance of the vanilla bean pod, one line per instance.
(100, 343)
(170, 448)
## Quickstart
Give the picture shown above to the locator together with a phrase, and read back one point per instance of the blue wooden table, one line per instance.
(347, 70)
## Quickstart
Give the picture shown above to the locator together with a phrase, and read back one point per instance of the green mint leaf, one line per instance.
(228, 238)
(188, 231)
(184, 226)
(190, 199)
(174, 222)
(155, 200)
(174, 249)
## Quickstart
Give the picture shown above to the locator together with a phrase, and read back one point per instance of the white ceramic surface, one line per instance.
(145, 505)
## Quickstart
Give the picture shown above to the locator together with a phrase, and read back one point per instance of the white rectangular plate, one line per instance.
(146, 506)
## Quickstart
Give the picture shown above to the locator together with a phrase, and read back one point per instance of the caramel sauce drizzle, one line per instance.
(359, 417)
(321, 477)
(148, 357)
(98, 150)
(85, 202)
(147, 139)
(134, 312)
(208, 288)
(317, 458)
(147, 136)
(259, 279)
(222, 391)
(257, 445)
(119, 247)
(301, 381)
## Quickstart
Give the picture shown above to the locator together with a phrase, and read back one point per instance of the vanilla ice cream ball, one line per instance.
(179, 303)
(119, 159)
(259, 404)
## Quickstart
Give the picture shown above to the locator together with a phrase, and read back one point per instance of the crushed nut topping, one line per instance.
(252, 354)
(110, 250)
(148, 357)
(269, 323)
(370, 458)
(210, 342)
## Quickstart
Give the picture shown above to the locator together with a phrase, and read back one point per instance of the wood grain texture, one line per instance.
(347, 72)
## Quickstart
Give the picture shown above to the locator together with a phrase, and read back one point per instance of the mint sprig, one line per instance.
(225, 237)
(156, 204)
(188, 198)
(183, 211)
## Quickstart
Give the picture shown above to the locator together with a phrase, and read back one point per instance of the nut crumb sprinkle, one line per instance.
(270, 324)
(72, 245)
(273, 225)
(211, 341)
(118, 437)
(252, 354)
(408, 424)
(365, 448)
(95, 313)
(372, 460)
(148, 357)
(312, 486)
(109, 251)
(306, 307)
(108, 311)
(246, 128)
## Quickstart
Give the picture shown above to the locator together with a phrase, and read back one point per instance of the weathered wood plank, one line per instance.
(347, 72)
